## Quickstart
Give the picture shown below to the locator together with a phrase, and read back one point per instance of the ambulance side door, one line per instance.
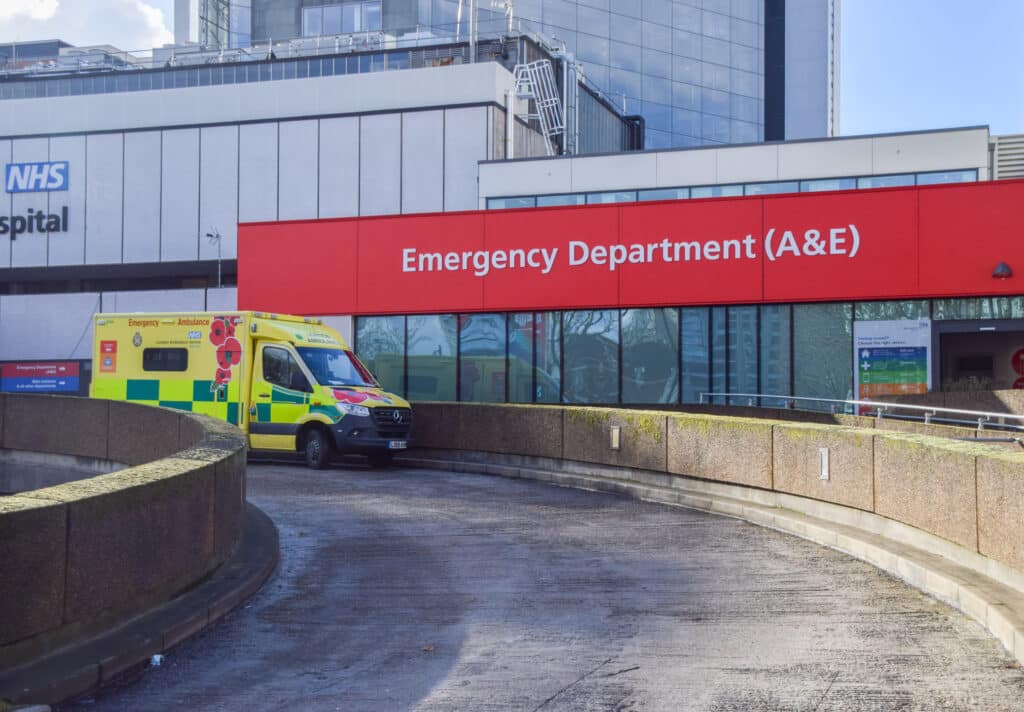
(279, 398)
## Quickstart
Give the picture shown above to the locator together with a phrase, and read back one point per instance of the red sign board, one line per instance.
(898, 243)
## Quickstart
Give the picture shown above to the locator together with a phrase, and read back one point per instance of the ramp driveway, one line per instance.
(408, 589)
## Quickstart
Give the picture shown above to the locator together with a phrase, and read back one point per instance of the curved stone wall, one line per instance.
(967, 493)
(78, 558)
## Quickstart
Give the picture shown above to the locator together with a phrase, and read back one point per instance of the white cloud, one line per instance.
(126, 24)
(33, 9)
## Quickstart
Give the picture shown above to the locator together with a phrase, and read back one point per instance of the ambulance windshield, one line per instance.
(336, 367)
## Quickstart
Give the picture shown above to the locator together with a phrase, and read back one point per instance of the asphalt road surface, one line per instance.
(414, 589)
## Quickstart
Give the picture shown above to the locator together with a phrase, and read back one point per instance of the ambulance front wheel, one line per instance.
(317, 449)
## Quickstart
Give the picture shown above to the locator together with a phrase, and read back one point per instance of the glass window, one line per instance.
(813, 186)
(520, 357)
(686, 17)
(547, 331)
(626, 56)
(432, 351)
(885, 181)
(522, 202)
(592, 356)
(650, 356)
(775, 356)
(482, 358)
(695, 324)
(772, 188)
(663, 194)
(167, 359)
(890, 311)
(715, 25)
(686, 122)
(658, 11)
(716, 191)
(591, 21)
(742, 347)
(612, 197)
(371, 16)
(312, 21)
(281, 369)
(380, 342)
(719, 349)
(822, 352)
(337, 19)
(544, 201)
(947, 177)
(979, 308)
(336, 367)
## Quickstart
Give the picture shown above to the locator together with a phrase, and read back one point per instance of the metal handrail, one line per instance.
(977, 417)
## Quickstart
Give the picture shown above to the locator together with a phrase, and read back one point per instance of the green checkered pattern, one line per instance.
(193, 396)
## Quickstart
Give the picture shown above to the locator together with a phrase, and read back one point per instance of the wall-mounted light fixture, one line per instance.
(1002, 271)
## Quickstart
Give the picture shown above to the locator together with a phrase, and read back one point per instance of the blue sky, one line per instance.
(923, 64)
(905, 64)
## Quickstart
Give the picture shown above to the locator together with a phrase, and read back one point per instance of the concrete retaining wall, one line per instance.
(80, 557)
(967, 493)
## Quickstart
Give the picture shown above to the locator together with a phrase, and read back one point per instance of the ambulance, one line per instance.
(290, 383)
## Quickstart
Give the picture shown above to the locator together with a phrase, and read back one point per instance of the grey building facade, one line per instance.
(700, 72)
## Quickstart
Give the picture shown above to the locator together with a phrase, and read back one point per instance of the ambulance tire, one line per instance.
(317, 450)
(380, 459)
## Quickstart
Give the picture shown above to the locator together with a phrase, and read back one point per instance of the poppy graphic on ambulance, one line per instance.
(229, 349)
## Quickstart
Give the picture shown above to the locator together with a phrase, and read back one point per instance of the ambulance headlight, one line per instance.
(350, 409)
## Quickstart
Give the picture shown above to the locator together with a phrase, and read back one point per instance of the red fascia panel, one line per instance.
(897, 243)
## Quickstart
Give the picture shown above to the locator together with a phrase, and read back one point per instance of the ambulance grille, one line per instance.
(390, 426)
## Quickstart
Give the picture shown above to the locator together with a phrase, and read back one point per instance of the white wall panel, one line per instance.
(297, 176)
(141, 197)
(179, 206)
(605, 172)
(423, 162)
(157, 300)
(679, 168)
(218, 199)
(225, 299)
(517, 177)
(339, 167)
(68, 248)
(29, 250)
(465, 143)
(257, 170)
(748, 164)
(825, 159)
(5, 206)
(47, 326)
(104, 171)
(380, 164)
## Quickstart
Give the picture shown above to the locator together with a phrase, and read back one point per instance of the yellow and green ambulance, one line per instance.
(291, 383)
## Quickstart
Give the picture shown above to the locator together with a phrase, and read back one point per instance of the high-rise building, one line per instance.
(700, 72)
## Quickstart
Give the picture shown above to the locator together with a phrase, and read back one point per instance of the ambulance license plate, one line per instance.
(397, 444)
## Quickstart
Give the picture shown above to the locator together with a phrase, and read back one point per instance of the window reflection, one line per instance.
(432, 346)
(482, 358)
(592, 356)
(380, 344)
(650, 356)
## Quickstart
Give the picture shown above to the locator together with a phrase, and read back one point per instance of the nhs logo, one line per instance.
(36, 177)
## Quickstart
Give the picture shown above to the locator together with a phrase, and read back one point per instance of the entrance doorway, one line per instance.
(979, 355)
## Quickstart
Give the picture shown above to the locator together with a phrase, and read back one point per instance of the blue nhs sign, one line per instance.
(36, 177)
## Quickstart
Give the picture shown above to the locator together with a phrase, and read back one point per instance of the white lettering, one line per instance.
(549, 259)
(835, 242)
(578, 248)
(408, 255)
(787, 244)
